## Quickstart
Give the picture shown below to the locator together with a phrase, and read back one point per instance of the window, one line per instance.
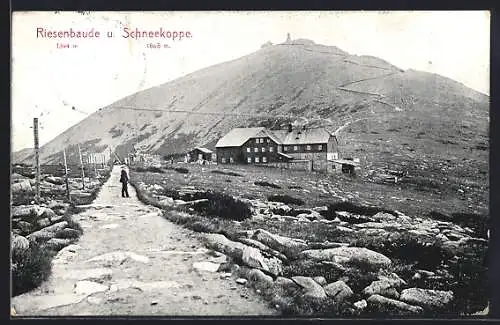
(231, 160)
(256, 149)
(320, 147)
(263, 149)
(249, 160)
(264, 159)
(248, 150)
(268, 140)
(256, 140)
(295, 148)
(223, 160)
(271, 149)
(285, 148)
(308, 147)
(256, 159)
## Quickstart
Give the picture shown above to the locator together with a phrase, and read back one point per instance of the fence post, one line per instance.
(81, 164)
(37, 161)
(66, 176)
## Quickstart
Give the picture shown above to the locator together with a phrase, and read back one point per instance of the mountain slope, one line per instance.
(317, 85)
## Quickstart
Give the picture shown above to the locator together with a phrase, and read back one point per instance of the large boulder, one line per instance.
(354, 256)
(291, 247)
(25, 227)
(427, 298)
(19, 246)
(57, 244)
(27, 213)
(250, 256)
(47, 233)
(387, 305)
(23, 186)
(55, 180)
(310, 288)
(383, 288)
(338, 291)
(260, 280)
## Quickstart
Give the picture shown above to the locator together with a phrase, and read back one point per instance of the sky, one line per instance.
(48, 82)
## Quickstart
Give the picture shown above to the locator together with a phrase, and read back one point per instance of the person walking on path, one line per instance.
(124, 181)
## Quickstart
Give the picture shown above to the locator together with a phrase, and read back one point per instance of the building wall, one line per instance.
(194, 155)
(264, 153)
(229, 155)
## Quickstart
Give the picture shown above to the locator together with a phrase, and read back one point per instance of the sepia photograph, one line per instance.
(329, 164)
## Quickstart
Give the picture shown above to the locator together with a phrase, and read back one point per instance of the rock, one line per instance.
(381, 287)
(88, 287)
(154, 302)
(303, 219)
(286, 285)
(263, 248)
(206, 266)
(427, 298)
(225, 275)
(119, 257)
(259, 279)
(349, 256)
(383, 216)
(23, 186)
(25, 227)
(57, 243)
(20, 246)
(219, 259)
(27, 213)
(238, 251)
(252, 257)
(95, 275)
(393, 279)
(54, 180)
(320, 280)
(310, 287)
(47, 232)
(320, 209)
(42, 223)
(384, 304)
(67, 233)
(360, 305)
(426, 273)
(345, 229)
(290, 247)
(241, 281)
(338, 291)
(94, 300)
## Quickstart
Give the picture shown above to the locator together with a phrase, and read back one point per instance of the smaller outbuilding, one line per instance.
(200, 154)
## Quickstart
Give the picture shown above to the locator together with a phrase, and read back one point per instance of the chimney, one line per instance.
(290, 127)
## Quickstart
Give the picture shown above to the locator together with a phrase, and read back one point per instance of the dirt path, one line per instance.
(132, 261)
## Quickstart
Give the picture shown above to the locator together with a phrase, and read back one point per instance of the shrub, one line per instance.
(226, 173)
(223, 206)
(150, 169)
(29, 271)
(264, 183)
(181, 170)
(354, 208)
(287, 199)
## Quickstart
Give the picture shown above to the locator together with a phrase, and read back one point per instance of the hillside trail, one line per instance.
(132, 261)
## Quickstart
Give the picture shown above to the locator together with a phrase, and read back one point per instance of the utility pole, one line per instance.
(37, 160)
(81, 164)
(66, 175)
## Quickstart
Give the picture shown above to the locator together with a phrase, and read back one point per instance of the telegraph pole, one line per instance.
(37, 160)
(66, 175)
(81, 164)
